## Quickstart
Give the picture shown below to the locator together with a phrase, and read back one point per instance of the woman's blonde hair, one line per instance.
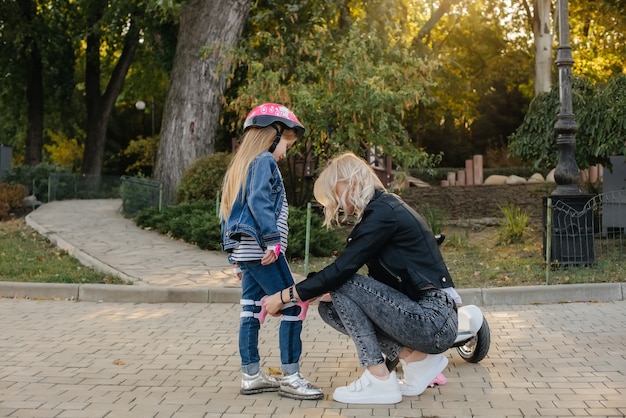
(360, 180)
(253, 142)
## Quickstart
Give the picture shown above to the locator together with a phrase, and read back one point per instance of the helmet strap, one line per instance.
(279, 133)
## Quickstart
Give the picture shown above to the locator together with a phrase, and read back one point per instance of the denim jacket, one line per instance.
(257, 214)
(397, 246)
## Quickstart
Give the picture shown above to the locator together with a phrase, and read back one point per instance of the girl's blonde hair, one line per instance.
(253, 142)
(360, 180)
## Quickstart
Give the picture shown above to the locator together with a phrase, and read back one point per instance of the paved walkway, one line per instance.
(62, 358)
(95, 232)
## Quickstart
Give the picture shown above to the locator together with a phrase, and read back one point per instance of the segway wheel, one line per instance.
(476, 349)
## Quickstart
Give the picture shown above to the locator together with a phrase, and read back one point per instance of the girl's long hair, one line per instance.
(361, 182)
(253, 142)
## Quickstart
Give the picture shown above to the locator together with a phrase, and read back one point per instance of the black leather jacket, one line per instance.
(397, 246)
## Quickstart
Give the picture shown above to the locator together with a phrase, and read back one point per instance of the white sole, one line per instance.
(380, 400)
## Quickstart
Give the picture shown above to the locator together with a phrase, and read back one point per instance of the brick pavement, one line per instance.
(60, 358)
(85, 359)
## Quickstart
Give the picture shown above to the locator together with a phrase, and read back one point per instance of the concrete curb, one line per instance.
(522, 295)
(529, 295)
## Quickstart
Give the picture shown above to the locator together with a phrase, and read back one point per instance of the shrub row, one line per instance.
(11, 199)
(195, 222)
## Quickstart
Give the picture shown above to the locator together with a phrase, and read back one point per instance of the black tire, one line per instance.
(476, 349)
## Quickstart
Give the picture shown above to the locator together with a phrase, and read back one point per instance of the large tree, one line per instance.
(34, 85)
(35, 51)
(99, 102)
(347, 69)
(208, 32)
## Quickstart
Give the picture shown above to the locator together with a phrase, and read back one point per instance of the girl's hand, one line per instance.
(237, 271)
(271, 254)
(269, 258)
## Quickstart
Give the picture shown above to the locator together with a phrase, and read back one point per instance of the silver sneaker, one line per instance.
(257, 383)
(297, 387)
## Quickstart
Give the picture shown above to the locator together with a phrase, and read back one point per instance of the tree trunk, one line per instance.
(34, 85)
(34, 98)
(208, 29)
(543, 46)
(100, 106)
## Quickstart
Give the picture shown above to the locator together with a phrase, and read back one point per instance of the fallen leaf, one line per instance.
(273, 371)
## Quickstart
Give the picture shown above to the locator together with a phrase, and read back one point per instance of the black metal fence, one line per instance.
(581, 229)
(140, 193)
(64, 186)
(136, 193)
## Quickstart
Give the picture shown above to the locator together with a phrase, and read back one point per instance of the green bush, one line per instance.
(600, 111)
(11, 199)
(203, 179)
(35, 178)
(322, 241)
(195, 222)
(13, 194)
(192, 222)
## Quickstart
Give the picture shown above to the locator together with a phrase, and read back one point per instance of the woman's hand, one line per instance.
(273, 304)
(325, 298)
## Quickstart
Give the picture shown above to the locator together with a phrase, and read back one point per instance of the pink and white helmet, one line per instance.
(268, 113)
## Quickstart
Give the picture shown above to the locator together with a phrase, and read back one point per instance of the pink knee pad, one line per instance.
(304, 307)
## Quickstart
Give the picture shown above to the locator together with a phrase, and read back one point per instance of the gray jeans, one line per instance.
(382, 320)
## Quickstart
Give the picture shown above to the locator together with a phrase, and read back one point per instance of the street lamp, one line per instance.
(141, 105)
(566, 173)
(569, 238)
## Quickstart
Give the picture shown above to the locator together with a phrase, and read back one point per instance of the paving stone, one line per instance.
(181, 360)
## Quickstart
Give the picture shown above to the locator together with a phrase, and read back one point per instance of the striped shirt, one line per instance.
(249, 250)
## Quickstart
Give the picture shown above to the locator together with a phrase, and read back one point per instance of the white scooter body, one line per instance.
(474, 337)
(470, 321)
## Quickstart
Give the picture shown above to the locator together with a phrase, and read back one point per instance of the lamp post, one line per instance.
(569, 228)
(141, 105)
(566, 172)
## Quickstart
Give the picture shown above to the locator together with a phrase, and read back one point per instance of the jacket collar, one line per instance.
(377, 193)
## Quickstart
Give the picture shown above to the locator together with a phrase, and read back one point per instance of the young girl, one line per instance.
(405, 307)
(254, 232)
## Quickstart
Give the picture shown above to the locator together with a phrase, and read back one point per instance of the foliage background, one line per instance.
(428, 89)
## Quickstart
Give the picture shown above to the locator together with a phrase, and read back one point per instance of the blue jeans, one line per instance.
(257, 281)
(382, 320)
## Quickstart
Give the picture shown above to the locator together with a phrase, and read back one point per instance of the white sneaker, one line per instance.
(419, 374)
(370, 390)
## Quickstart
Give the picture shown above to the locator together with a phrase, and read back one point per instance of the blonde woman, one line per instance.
(254, 232)
(405, 307)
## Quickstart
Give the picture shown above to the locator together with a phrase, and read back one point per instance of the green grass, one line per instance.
(477, 258)
(26, 256)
